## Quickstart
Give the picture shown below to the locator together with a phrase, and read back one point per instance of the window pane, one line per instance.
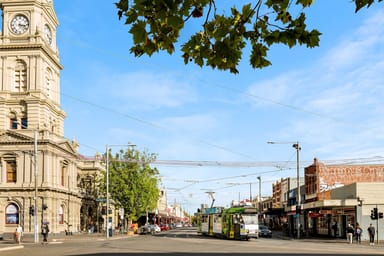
(24, 123)
(13, 123)
(12, 214)
(11, 171)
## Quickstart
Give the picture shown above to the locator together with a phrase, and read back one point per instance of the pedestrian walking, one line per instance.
(44, 232)
(358, 232)
(18, 234)
(334, 228)
(371, 232)
(350, 232)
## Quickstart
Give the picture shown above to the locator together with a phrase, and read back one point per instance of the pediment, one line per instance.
(50, 11)
(14, 137)
(66, 145)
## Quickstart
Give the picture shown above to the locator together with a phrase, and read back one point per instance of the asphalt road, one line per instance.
(187, 242)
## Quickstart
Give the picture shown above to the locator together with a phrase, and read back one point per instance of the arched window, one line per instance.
(61, 214)
(20, 77)
(12, 214)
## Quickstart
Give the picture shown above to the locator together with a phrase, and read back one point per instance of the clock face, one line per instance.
(47, 34)
(19, 24)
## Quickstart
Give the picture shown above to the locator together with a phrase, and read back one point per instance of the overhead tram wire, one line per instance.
(283, 165)
(117, 55)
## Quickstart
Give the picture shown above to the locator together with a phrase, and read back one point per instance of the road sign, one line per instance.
(101, 200)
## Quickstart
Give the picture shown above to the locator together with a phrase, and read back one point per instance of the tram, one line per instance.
(239, 223)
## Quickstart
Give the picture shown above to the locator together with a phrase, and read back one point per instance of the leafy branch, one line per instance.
(156, 26)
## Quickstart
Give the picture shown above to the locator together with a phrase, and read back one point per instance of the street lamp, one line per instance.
(36, 234)
(260, 205)
(107, 147)
(296, 145)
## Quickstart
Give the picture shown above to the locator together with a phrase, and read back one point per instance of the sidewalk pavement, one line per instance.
(8, 243)
(324, 239)
(28, 239)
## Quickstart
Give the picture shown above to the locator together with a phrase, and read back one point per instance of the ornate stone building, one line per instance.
(42, 176)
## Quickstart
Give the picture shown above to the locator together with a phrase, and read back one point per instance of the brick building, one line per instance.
(341, 194)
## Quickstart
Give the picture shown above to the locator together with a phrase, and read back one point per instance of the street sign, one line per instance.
(101, 200)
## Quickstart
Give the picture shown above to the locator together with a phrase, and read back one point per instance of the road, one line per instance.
(186, 242)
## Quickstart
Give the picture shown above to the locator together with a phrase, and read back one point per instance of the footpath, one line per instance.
(7, 241)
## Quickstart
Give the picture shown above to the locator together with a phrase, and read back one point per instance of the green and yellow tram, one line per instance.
(240, 223)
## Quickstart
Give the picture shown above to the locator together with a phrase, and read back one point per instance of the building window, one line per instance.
(62, 175)
(11, 171)
(20, 77)
(24, 123)
(61, 215)
(13, 121)
(12, 214)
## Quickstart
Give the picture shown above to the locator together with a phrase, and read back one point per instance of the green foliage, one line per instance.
(133, 183)
(156, 26)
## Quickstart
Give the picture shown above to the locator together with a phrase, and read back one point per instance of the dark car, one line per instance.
(264, 231)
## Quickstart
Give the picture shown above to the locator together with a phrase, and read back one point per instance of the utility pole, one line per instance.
(250, 193)
(298, 204)
(35, 213)
(107, 202)
(260, 204)
(296, 145)
(36, 230)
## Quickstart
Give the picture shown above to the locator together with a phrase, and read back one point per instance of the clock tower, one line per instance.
(40, 170)
(30, 67)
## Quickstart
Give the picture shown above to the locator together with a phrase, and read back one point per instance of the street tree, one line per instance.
(133, 183)
(222, 35)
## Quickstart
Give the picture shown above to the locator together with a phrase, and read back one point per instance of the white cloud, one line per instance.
(147, 90)
(337, 102)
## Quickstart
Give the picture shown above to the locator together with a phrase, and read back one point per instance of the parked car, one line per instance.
(264, 231)
(149, 229)
(156, 228)
(164, 227)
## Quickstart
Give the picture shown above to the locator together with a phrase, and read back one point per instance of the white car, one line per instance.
(156, 228)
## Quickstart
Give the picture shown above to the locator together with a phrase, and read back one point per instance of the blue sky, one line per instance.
(328, 98)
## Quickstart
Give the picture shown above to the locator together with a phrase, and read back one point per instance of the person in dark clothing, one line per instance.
(371, 232)
(44, 232)
(334, 227)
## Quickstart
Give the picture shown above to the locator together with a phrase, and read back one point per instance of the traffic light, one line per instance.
(31, 210)
(380, 215)
(298, 209)
(45, 207)
(374, 214)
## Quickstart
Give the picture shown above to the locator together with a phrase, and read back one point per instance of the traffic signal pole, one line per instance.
(377, 224)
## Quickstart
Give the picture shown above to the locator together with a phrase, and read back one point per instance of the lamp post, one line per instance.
(296, 145)
(107, 147)
(36, 236)
(35, 222)
(259, 201)
(250, 193)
